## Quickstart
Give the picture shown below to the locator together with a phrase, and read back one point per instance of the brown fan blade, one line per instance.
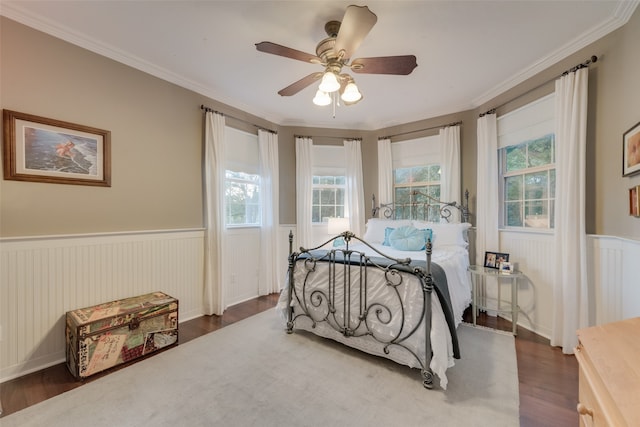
(296, 87)
(401, 65)
(287, 52)
(356, 24)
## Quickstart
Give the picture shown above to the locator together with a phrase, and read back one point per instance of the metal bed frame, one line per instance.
(334, 303)
(427, 206)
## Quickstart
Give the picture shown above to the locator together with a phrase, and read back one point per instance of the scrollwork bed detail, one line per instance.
(334, 304)
(379, 298)
(425, 204)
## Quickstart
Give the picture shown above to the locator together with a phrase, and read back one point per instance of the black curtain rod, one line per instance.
(422, 130)
(570, 70)
(211, 110)
(334, 137)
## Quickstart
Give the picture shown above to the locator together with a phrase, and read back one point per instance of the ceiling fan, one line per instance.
(334, 54)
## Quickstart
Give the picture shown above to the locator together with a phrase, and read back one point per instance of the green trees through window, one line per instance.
(328, 197)
(529, 180)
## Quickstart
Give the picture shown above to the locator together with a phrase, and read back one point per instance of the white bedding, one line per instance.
(454, 261)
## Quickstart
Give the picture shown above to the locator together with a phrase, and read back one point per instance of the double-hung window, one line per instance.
(329, 184)
(242, 179)
(328, 197)
(527, 168)
(410, 185)
(416, 167)
(529, 180)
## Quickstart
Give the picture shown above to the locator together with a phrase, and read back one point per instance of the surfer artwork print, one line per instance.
(47, 150)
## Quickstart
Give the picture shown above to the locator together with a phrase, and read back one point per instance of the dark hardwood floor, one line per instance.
(548, 378)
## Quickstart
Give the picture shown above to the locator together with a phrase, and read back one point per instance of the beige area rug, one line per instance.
(254, 374)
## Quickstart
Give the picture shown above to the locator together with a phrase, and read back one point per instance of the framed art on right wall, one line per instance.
(631, 151)
(634, 201)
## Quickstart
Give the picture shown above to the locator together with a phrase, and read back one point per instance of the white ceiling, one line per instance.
(467, 51)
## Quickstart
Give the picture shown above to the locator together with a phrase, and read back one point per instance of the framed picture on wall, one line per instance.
(631, 151)
(634, 201)
(38, 149)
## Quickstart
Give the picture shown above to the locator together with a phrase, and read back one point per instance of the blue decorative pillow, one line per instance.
(408, 238)
(387, 233)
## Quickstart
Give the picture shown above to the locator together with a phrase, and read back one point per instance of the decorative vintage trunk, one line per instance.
(110, 334)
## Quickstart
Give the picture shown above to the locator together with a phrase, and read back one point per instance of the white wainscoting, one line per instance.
(613, 277)
(241, 264)
(43, 278)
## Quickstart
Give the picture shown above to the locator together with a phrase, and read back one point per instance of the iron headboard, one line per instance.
(426, 205)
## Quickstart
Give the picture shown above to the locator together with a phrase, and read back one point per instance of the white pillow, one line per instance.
(446, 234)
(376, 227)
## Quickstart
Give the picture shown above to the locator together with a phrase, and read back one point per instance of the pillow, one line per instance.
(376, 227)
(387, 233)
(408, 238)
(447, 233)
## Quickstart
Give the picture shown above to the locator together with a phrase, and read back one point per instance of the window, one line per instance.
(529, 179)
(329, 183)
(526, 166)
(425, 179)
(328, 197)
(416, 166)
(242, 197)
(242, 179)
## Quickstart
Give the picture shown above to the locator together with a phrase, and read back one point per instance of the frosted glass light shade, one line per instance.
(351, 93)
(322, 98)
(329, 83)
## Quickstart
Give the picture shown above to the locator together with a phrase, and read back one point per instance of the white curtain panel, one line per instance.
(487, 205)
(304, 189)
(354, 208)
(571, 302)
(214, 301)
(269, 198)
(450, 168)
(385, 172)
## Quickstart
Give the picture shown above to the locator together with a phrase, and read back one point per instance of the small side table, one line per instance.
(478, 275)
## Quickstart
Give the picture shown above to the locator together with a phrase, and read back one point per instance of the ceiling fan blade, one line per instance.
(401, 65)
(296, 87)
(287, 52)
(356, 24)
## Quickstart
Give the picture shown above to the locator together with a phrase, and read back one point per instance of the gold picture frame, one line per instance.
(634, 201)
(39, 149)
(631, 151)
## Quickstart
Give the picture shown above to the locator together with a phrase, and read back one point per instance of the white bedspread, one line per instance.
(453, 260)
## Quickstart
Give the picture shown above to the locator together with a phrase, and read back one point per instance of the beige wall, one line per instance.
(614, 106)
(157, 137)
(156, 140)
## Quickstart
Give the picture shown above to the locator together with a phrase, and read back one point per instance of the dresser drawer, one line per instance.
(588, 407)
(609, 374)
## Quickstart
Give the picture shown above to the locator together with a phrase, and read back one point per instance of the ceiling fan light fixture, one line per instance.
(329, 82)
(351, 93)
(322, 98)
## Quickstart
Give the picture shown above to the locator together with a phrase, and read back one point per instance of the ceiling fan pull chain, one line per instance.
(333, 95)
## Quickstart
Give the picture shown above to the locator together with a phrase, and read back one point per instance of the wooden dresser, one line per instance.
(609, 360)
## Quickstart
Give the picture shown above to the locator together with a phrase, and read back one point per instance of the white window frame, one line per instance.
(318, 187)
(526, 125)
(419, 152)
(242, 156)
(328, 160)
